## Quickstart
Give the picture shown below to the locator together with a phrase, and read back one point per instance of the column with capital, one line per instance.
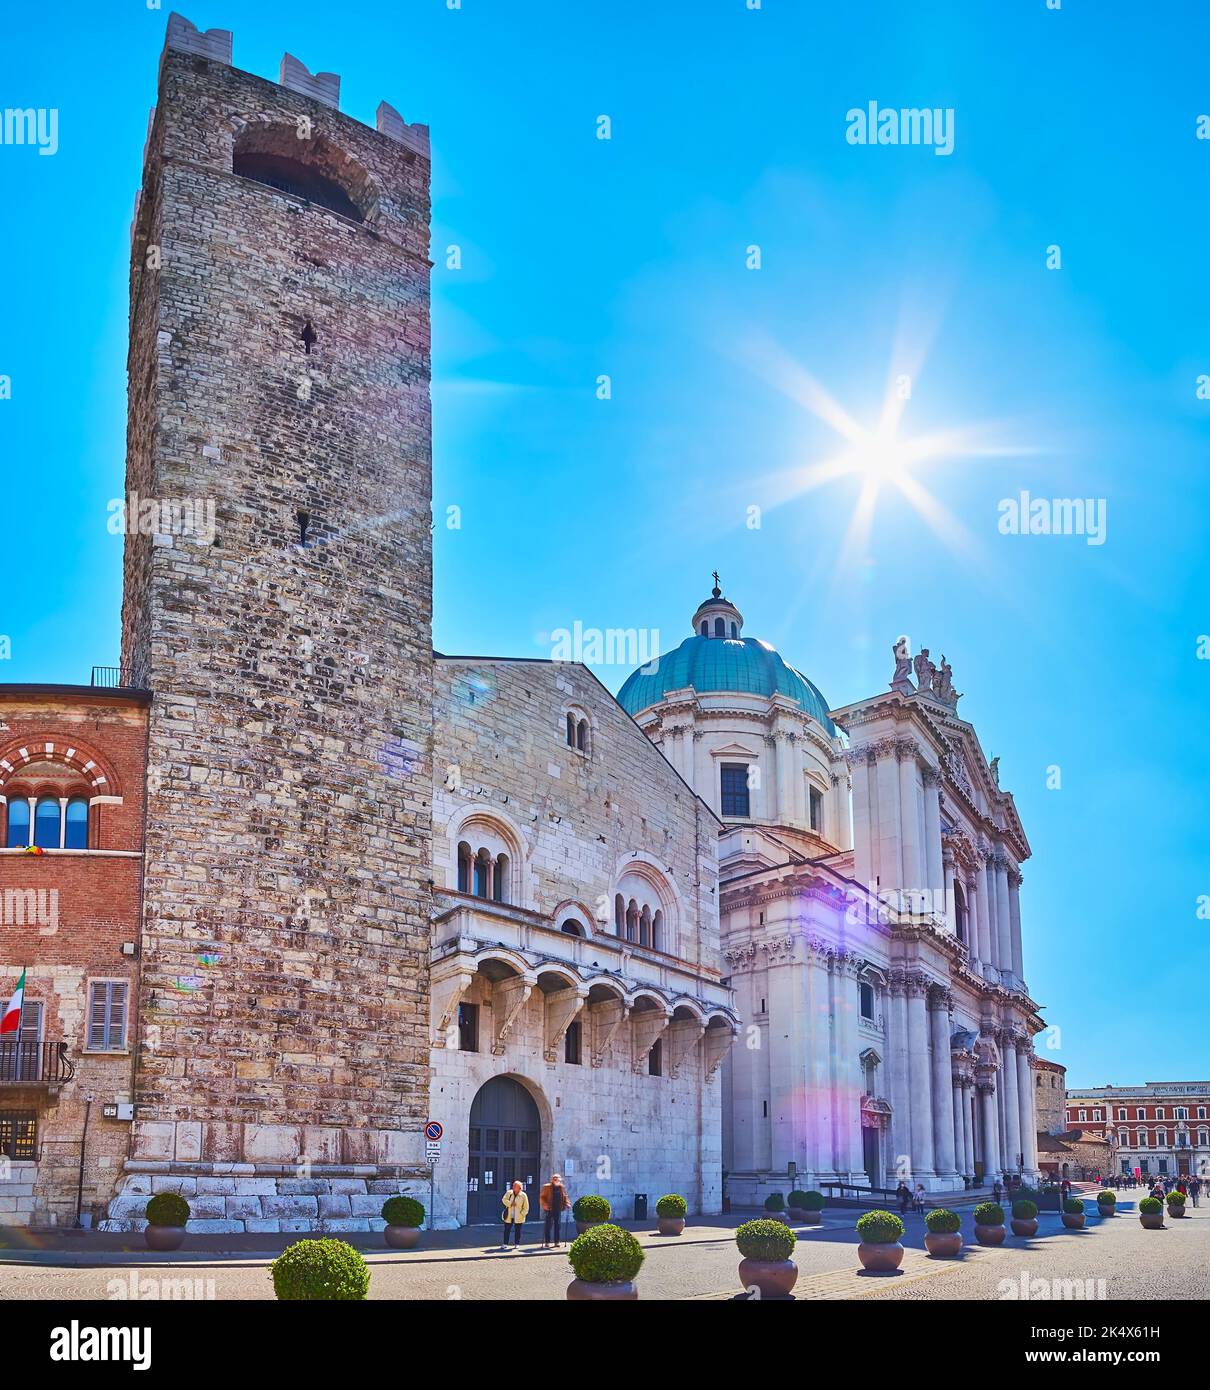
(887, 863)
(931, 777)
(1014, 921)
(865, 815)
(897, 1041)
(798, 781)
(980, 948)
(959, 1126)
(850, 1081)
(911, 828)
(949, 901)
(943, 1093)
(836, 821)
(987, 890)
(1026, 1098)
(1012, 1108)
(818, 1142)
(775, 792)
(991, 1128)
(968, 1115)
(1003, 923)
(920, 1080)
(787, 1036)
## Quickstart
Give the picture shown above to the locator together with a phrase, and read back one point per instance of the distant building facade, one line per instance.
(1159, 1129)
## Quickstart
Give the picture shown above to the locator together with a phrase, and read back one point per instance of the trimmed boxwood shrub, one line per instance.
(330, 1270)
(797, 1199)
(1107, 1199)
(671, 1205)
(402, 1211)
(879, 1227)
(1024, 1209)
(775, 1202)
(942, 1222)
(167, 1209)
(1175, 1199)
(771, 1241)
(1150, 1205)
(1073, 1206)
(808, 1201)
(605, 1255)
(591, 1208)
(989, 1214)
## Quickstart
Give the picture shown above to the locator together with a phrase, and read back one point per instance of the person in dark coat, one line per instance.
(554, 1201)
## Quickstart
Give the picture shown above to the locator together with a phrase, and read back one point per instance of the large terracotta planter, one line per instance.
(990, 1235)
(670, 1225)
(581, 1291)
(773, 1278)
(1107, 1208)
(582, 1226)
(1152, 1220)
(802, 1217)
(1073, 1220)
(164, 1237)
(1176, 1211)
(402, 1237)
(1025, 1226)
(943, 1244)
(880, 1259)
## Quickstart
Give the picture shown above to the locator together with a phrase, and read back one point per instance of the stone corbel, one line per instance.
(447, 995)
(606, 1020)
(562, 1006)
(509, 997)
(683, 1038)
(716, 1043)
(646, 1029)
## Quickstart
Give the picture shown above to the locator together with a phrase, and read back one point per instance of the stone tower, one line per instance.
(279, 372)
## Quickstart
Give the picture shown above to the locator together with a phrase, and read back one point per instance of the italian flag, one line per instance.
(11, 1020)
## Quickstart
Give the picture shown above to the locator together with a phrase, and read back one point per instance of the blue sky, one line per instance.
(627, 257)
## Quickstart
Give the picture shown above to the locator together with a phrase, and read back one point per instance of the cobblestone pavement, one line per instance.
(1133, 1263)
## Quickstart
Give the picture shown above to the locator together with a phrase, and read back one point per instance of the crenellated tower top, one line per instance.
(323, 87)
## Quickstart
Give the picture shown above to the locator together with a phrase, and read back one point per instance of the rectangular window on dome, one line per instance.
(816, 809)
(735, 789)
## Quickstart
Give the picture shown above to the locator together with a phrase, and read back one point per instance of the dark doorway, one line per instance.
(505, 1144)
(869, 1149)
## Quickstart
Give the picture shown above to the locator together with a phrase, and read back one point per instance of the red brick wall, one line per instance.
(77, 936)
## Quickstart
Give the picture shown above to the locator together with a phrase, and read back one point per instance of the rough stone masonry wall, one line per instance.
(285, 941)
(501, 725)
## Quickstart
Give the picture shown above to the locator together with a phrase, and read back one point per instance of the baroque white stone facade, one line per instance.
(870, 920)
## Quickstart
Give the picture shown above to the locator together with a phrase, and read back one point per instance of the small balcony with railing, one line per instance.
(38, 1065)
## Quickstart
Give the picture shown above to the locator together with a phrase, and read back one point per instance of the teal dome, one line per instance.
(709, 664)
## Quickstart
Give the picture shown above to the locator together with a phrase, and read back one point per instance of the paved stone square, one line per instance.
(702, 1264)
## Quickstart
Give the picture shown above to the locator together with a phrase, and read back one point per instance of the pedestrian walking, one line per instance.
(904, 1193)
(918, 1197)
(1195, 1189)
(997, 1191)
(554, 1201)
(516, 1209)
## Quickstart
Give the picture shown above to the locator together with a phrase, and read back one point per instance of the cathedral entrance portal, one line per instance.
(505, 1144)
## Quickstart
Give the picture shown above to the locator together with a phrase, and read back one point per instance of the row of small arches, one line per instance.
(483, 873)
(720, 628)
(636, 922)
(55, 826)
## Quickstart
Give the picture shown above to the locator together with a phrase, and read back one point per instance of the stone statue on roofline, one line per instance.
(925, 671)
(901, 680)
(943, 687)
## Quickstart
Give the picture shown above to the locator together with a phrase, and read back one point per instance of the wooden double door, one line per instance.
(505, 1145)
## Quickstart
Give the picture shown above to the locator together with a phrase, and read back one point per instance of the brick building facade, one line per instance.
(1159, 1129)
(71, 786)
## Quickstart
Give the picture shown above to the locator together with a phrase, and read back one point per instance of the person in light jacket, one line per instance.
(516, 1209)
